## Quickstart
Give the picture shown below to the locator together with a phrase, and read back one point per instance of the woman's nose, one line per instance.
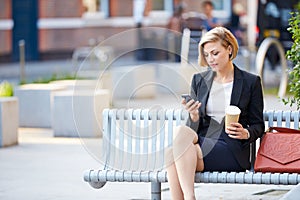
(210, 58)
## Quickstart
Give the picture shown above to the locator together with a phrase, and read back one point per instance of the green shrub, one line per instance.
(6, 89)
(54, 77)
(294, 55)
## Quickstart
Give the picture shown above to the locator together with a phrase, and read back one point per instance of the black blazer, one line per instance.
(247, 95)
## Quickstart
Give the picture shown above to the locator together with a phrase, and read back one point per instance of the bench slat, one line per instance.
(121, 138)
(162, 133)
(200, 177)
(145, 136)
(106, 129)
(153, 140)
(170, 114)
(296, 119)
(137, 136)
(134, 141)
(269, 117)
(287, 119)
(279, 118)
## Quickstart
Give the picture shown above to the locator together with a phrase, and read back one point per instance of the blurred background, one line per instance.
(54, 29)
(45, 39)
(132, 54)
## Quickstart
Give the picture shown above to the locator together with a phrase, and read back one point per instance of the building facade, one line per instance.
(55, 28)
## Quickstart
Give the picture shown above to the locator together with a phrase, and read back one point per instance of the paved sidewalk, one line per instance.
(43, 167)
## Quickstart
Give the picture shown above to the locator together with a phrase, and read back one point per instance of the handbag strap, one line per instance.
(283, 130)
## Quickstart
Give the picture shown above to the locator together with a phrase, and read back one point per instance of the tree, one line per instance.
(294, 56)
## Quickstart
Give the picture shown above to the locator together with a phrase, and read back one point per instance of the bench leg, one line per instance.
(155, 191)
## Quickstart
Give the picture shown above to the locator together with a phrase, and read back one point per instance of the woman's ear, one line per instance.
(230, 49)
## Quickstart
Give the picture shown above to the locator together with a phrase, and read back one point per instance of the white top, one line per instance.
(218, 100)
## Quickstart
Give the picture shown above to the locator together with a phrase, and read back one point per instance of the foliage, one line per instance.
(54, 77)
(6, 89)
(294, 55)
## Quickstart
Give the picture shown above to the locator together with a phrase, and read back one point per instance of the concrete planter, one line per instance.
(133, 82)
(79, 113)
(9, 121)
(101, 80)
(76, 84)
(176, 79)
(35, 104)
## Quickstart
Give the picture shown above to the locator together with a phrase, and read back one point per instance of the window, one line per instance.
(96, 6)
(222, 8)
(91, 5)
(158, 5)
(115, 8)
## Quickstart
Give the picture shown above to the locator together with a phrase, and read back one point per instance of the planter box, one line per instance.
(76, 84)
(35, 104)
(94, 80)
(79, 113)
(176, 78)
(103, 77)
(9, 121)
(133, 82)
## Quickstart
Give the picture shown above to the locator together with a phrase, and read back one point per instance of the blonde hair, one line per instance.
(218, 34)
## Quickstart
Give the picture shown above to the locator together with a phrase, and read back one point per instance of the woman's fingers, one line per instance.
(238, 125)
(192, 106)
(183, 101)
(236, 131)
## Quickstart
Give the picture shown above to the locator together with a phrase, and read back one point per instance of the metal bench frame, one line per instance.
(171, 117)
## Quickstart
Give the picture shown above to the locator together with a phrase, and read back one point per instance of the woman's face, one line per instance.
(217, 56)
(208, 9)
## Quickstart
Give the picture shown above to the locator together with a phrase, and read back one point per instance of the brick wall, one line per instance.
(121, 8)
(5, 35)
(60, 8)
(51, 40)
(69, 39)
(5, 9)
(193, 5)
(6, 42)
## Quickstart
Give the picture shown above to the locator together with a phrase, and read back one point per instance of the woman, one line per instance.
(204, 144)
(210, 21)
(176, 24)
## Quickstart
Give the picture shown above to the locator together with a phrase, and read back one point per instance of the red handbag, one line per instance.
(279, 151)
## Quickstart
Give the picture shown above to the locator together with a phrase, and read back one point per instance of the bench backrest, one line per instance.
(136, 139)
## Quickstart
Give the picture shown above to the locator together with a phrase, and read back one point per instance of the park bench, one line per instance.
(135, 141)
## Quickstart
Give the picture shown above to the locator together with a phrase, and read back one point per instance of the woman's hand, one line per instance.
(237, 131)
(193, 108)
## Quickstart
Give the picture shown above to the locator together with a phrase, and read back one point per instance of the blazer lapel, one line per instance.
(205, 89)
(237, 87)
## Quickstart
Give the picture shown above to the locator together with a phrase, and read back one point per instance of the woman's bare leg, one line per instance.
(175, 188)
(186, 168)
(188, 159)
(173, 178)
(200, 163)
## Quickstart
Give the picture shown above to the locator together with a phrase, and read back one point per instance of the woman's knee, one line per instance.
(200, 163)
(169, 156)
(185, 133)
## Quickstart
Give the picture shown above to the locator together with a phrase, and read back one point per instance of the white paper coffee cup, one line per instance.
(232, 114)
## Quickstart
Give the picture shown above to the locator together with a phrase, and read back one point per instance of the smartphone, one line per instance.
(187, 97)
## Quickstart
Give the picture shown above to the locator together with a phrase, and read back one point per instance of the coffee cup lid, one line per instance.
(233, 110)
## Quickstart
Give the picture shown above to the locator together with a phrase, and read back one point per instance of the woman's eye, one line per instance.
(215, 53)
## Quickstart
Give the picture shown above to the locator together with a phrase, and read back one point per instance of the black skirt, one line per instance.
(217, 156)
